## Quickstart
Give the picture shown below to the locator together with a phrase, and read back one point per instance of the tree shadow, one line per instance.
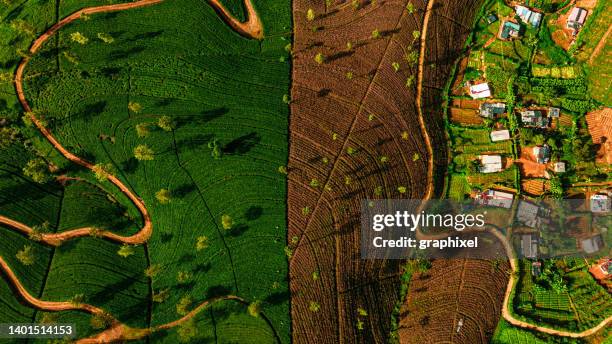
(202, 118)
(217, 290)
(194, 142)
(278, 298)
(243, 144)
(238, 230)
(123, 54)
(145, 35)
(166, 237)
(253, 213)
(130, 165)
(184, 190)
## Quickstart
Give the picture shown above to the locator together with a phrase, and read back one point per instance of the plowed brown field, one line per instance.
(330, 115)
(341, 130)
(456, 301)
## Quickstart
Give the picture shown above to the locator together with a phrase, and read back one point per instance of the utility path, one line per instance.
(507, 315)
(117, 331)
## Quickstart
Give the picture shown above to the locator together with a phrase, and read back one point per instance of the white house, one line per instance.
(592, 244)
(528, 16)
(491, 163)
(576, 19)
(500, 135)
(529, 246)
(480, 91)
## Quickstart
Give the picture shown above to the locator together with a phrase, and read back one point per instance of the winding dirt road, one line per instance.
(252, 28)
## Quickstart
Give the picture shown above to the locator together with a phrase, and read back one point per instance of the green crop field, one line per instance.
(581, 305)
(505, 333)
(226, 98)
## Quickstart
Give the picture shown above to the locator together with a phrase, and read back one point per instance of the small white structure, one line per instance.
(576, 19)
(491, 163)
(559, 167)
(592, 244)
(528, 16)
(500, 135)
(600, 203)
(496, 198)
(529, 246)
(480, 91)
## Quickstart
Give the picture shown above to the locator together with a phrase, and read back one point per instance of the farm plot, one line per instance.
(219, 154)
(478, 141)
(454, 291)
(355, 134)
(581, 305)
(505, 333)
(448, 28)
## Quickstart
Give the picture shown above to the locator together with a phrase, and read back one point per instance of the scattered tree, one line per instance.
(201, 243)
(166, 123)
(319, 58)
(356, 4)
(182, 307)
(126, 251)
(282, 169)
(152, 271)
(134, 107)
(77, 300)
(38, 230)
(101, 321)
(375, 34)
(216, 152)
(226, 222)
(410, 7)
(416, 35)
(315, 275)
(142, 129)
(396, 66)
(38, 170)
(314, 183)
(349, 75)
(163, 196)
(401, 189)
(183, 277)
(254, 308)
(310, 14)
(102, 171)
(349, 46)
(105, 37)
(79, 38)
(143, 152)
(161, 296)
(416, 157)
(410, 81)
(26, 255)
(8, 135)
(187, 331)
(23, 27)
(314, 306)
